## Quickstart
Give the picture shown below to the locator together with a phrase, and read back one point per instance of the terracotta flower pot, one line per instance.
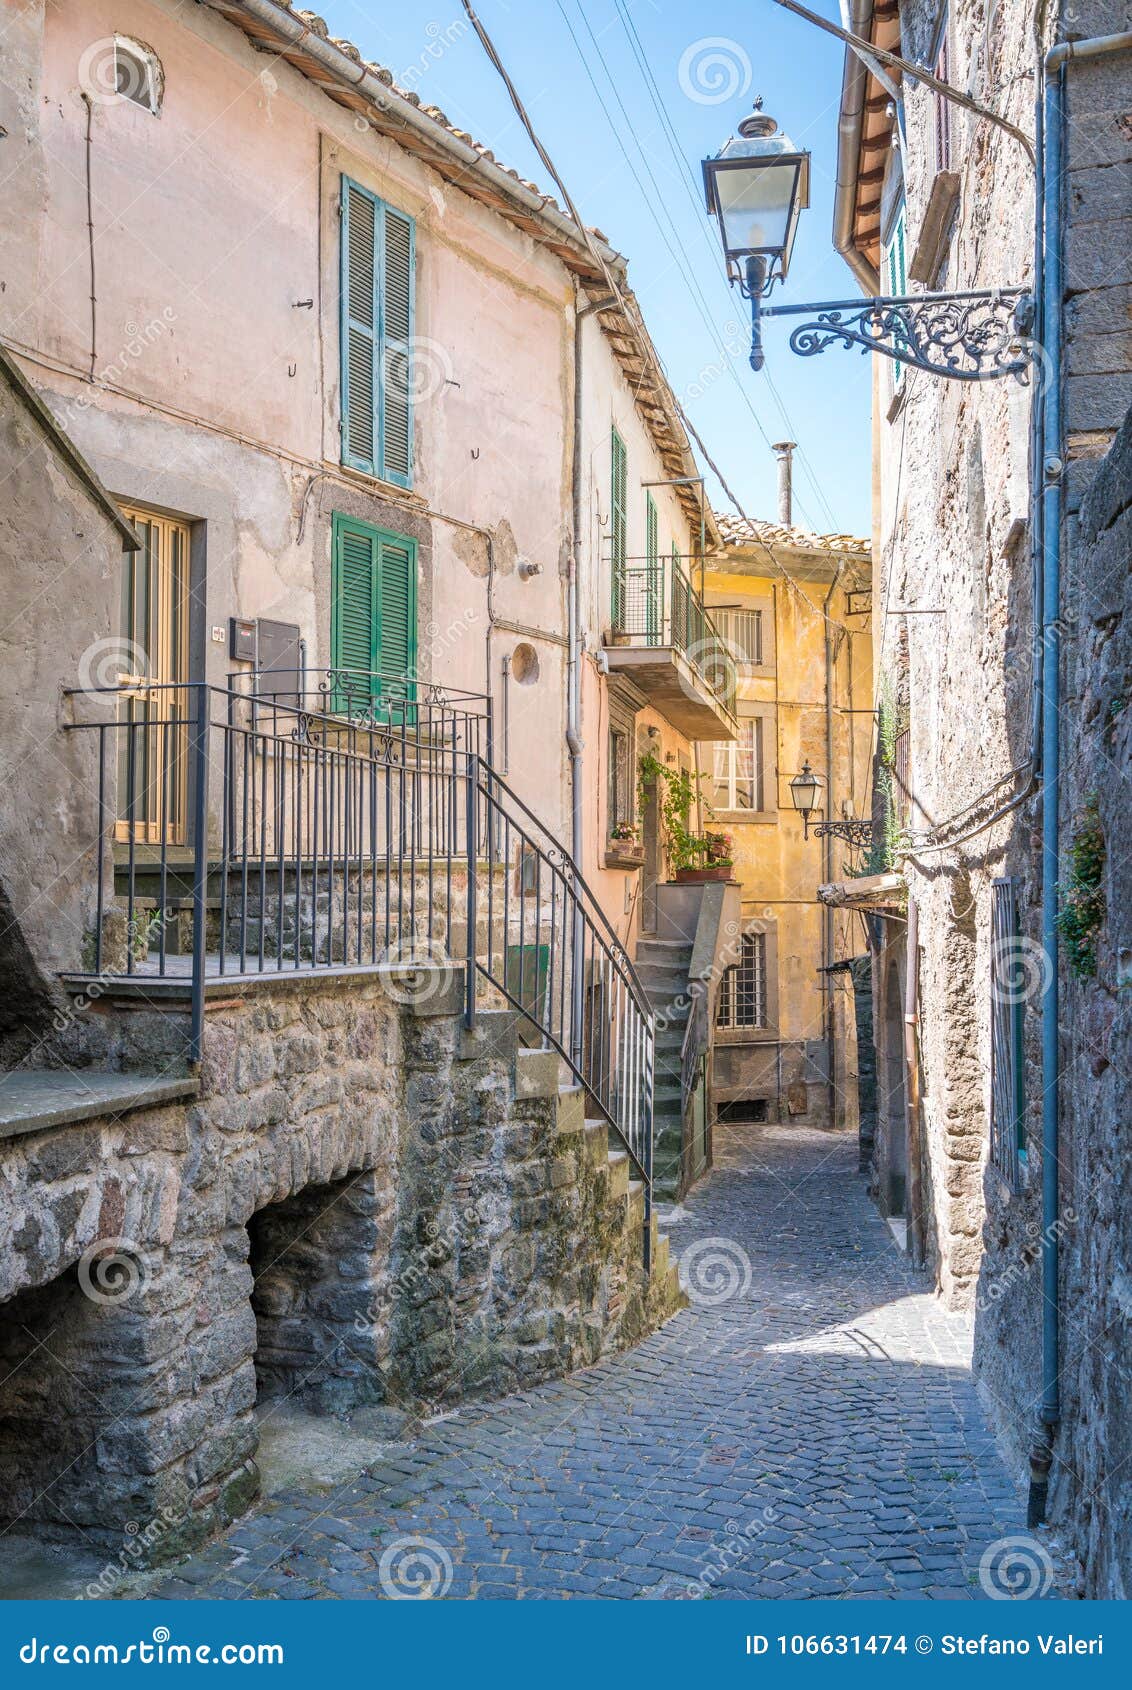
(702, 876)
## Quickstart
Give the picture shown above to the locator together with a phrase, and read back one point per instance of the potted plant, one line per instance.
(624, 847)
(693, 858)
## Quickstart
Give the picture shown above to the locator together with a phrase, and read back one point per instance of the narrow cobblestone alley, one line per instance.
(807, 1428)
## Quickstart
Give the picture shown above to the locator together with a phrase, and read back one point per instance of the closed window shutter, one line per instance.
(377, 330)
(359, 329)
(374, 615)
(397, 631)
(397, 329)
(354, 622)
(652, 550)
(618, 547)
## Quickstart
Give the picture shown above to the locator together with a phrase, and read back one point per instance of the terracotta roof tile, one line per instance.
(737, 531)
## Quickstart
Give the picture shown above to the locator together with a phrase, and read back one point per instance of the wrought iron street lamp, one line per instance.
(757, 186)
(805, 790)
(755, 189)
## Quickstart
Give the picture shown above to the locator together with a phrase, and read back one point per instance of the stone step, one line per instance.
(660, 978)
(617, 1162)
(667, 951)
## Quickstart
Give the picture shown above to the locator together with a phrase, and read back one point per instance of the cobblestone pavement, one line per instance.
(807, 1428)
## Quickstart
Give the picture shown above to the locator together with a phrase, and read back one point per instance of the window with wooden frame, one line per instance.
(373, 623)
(155, 712)
(376, 329)
(618, 526)
(743, 995)
(741, 778)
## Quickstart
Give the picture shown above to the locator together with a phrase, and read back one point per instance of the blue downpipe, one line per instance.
(1052, 475)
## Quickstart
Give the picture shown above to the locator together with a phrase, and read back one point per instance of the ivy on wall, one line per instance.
(1082, 912)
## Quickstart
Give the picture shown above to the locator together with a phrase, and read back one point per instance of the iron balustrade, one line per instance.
(655, 604)
(545, 945)
(245, 831)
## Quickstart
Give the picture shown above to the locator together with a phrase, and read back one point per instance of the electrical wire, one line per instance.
(644, 344)
(689, 182)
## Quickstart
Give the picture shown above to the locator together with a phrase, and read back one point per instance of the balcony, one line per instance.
(663, 639)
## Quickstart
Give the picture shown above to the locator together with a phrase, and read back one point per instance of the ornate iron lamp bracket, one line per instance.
(963, 336)
(855, 830)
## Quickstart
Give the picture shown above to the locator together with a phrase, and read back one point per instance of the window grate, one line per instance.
(742, 630)
(742, 990)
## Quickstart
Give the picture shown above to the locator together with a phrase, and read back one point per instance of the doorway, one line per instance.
(650, 869)
(895, 1169)
(153, 743)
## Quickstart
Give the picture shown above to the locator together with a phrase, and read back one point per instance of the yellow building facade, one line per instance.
(795, 611)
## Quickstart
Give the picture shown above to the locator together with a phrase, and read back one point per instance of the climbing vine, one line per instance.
(882, 851)
(678, 790)
(1082, 895)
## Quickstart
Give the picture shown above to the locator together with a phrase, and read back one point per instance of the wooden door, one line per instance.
(155, 710)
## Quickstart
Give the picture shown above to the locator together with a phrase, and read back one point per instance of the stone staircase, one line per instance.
(645, 1297)
(662, 966)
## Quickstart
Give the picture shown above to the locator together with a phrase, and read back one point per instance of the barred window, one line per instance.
(742, 991)
(742, 630)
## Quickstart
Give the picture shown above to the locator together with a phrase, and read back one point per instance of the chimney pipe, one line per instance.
(784, 452)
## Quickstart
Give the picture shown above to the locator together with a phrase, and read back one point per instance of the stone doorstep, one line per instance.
(32, 1100)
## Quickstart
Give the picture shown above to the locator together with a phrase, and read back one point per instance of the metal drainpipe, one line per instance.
(1053, 479)
(912, 1084)
(827, 856)
(574, 741)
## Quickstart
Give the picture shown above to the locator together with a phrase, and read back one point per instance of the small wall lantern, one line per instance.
(805, 790)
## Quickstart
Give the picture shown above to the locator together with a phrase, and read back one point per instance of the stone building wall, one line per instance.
(1092, 1493)
(364, 1204)
(954, 580)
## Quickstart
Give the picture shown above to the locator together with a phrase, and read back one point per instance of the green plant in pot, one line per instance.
(692, 857)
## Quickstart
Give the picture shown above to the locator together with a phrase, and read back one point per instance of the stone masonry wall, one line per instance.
(365, 1204)
(1092, 1489)
(953, 546)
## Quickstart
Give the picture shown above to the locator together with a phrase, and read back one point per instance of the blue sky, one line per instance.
(707, 64)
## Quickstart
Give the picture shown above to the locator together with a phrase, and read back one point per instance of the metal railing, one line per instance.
(241, 833)
(544, 943)
(655, 604)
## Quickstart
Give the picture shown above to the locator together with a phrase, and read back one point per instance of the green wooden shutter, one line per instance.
(354, 614)
(396, 349)
(377, 287)
(373, 624)
(359, 329)
(397, 623)
(617, 526)
(652, 552)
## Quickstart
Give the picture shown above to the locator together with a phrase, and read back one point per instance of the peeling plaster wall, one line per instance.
(218, 391)
(217, 397)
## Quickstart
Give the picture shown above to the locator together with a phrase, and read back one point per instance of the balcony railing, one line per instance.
(241, 833)
(655, 605)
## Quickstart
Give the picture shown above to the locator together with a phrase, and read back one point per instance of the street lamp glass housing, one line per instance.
(755, 190)
(805, 790)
